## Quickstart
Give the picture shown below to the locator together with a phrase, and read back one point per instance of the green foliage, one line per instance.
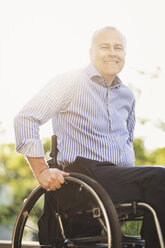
(16, 181)
(131, 228)
(140, 152)
(156, 157)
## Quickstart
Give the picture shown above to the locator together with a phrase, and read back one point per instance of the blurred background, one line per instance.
(42, 38)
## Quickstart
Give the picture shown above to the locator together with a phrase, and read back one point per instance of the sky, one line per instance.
(42, 38)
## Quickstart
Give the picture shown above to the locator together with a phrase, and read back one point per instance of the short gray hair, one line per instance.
(104, 28)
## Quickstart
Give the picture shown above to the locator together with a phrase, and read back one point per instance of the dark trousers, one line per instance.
(127, 184)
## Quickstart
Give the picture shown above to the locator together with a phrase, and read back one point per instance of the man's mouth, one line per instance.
(111, 62)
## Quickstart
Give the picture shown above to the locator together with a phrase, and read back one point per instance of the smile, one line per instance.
(111, 62)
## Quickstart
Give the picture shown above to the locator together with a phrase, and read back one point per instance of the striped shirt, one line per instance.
(90, 119)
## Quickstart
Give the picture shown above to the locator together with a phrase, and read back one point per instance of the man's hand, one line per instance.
(49, 179)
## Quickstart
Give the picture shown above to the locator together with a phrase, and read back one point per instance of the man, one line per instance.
(93, 117)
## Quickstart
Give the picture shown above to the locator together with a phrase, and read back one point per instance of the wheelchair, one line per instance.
(80, 215)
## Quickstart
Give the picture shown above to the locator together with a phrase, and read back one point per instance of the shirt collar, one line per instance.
(96, 77)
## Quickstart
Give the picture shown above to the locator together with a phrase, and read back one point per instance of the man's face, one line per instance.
(108, 53)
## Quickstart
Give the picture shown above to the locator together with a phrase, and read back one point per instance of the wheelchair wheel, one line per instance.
(79, 214)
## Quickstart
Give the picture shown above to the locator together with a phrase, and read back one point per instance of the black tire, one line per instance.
(88, 204)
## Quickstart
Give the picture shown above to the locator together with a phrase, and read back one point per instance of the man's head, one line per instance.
(107, 52)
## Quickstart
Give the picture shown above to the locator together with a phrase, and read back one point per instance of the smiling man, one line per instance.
(93, 116)
(108, 52)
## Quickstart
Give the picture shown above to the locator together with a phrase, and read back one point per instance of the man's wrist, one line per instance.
(37, 165)
(46, 168)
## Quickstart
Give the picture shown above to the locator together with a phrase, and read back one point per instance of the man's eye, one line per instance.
(119, 48)
(104, 47)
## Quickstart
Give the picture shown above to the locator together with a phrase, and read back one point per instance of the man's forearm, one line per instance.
(37, 165)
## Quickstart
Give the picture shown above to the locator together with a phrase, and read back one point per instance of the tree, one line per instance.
(17, 181)
(157, 157)
(140, 152)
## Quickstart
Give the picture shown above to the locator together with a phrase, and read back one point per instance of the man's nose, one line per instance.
(111, 52)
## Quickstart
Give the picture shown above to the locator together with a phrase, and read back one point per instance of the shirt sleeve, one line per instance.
(54, 97)
(131, 122)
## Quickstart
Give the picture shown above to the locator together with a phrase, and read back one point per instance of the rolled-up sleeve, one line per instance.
(54, 97)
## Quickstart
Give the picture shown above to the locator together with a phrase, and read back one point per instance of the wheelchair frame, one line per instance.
(77, 177)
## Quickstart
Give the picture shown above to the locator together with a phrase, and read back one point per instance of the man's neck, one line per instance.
(110, 81)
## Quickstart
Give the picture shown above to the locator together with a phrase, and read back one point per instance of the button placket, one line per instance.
(110, 125)
(108, 111)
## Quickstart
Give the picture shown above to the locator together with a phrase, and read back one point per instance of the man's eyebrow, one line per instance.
(119, 44)
(115, 44)
(103, 44)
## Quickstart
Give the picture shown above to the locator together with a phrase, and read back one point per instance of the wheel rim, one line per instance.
(26, 211)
